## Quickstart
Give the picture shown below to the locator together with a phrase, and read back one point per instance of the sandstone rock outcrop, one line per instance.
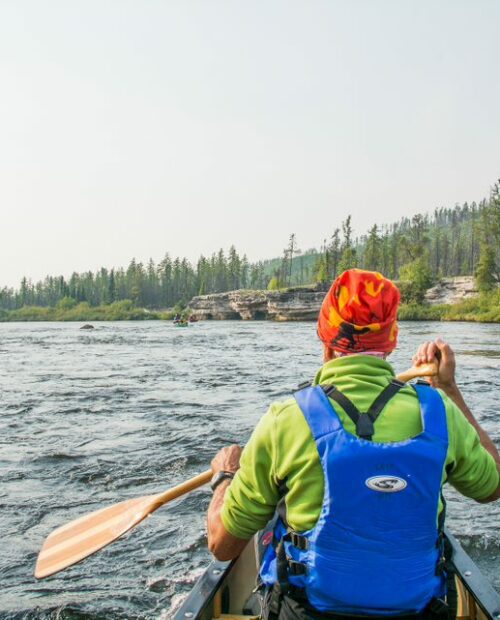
(300, 304)
(452, 290)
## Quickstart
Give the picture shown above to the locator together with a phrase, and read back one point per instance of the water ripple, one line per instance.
(131, 409)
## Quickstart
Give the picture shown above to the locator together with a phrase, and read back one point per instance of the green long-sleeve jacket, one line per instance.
(282, 448)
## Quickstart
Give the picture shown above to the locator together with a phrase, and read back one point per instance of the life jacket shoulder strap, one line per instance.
(384, 397)
(303, 385)
(364, 422)
(352, 411)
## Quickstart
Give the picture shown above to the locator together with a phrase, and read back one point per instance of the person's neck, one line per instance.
(380, 354)
(330, 354)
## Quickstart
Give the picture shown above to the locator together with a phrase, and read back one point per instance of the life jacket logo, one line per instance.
(386, 484)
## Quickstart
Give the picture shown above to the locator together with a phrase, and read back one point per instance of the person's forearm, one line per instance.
(221, 543)
(454, 393)
(214, 521)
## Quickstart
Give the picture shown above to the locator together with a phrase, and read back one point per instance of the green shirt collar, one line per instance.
(359, 365)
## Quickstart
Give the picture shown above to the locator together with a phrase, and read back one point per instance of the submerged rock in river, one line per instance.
(87, 326)
(299, 304)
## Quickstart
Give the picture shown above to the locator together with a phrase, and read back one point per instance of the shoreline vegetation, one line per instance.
(417, 253)
(484, 308)
(124, 310)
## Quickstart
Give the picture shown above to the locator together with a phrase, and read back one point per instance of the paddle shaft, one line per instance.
(183, 488)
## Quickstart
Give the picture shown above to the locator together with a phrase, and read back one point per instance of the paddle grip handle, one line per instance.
(423, 370)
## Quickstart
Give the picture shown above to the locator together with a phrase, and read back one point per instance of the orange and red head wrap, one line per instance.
(359, 313)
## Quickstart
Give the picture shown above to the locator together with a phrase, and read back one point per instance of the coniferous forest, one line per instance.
(417, 251)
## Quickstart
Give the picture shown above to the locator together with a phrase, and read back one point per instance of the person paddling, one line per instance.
(352, 470)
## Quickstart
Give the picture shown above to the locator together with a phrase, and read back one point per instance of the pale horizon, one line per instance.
(135, 130)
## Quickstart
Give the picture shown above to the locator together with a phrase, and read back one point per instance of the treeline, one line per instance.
(463, 240)
(164, 285)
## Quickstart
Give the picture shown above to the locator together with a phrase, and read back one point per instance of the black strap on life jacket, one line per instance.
(303, 385)
(364, 421)
(282, 586)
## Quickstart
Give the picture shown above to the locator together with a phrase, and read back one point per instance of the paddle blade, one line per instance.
(78, 539)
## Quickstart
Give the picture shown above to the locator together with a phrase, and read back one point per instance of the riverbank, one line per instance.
(118, 311)
(484, 308)
(289, 305)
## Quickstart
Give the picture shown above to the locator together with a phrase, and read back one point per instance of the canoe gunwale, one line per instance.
(482, 591)
(204, 590)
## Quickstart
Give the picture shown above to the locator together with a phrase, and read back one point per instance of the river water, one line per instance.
(91, 418)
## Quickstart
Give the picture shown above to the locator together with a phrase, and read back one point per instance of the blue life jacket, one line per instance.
(376, 548)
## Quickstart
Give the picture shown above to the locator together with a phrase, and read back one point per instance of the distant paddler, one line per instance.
(180, 321)
(353, 467)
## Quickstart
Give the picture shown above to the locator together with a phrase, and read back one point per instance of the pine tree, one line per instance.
(233, 268)
(348, 259)
(372, 257)
(111, 287)
(244, 268)
(485, 272)
(332, 266)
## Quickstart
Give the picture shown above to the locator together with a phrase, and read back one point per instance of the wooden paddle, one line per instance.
(78, 539)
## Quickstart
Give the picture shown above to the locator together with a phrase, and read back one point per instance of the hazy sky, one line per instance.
(128, 129)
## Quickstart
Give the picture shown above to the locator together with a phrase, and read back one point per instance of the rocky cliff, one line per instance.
(301, 304)
(452, 290)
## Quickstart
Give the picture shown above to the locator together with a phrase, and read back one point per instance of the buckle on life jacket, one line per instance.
(298, 541)
(441, 565)
(442, 561)
(437, 609)
(296, 569)
(364, 426)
